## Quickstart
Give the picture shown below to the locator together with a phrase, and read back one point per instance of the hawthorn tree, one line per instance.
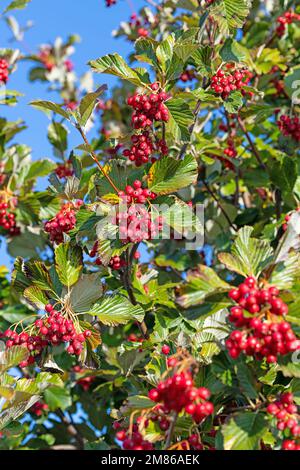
(120, 326)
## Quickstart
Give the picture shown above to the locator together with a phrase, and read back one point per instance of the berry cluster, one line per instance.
(39, 408)
(8, 220)
(253, 299)
(3, 71)
(84, 382)
(260, 335)
(109, 3)
(230, 151)
(137, 25)
(56, 329)
(53, 330)
(290, 126)
(142, 148)
(64, 170)
(132, 440)
(288, 18)
(223, 83)
(287, 417)
(178, 393)
(137, 224)
(148, 109)
(136, 194)
(63, 222)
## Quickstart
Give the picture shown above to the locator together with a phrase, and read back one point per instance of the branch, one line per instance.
(94, 157)
(171, 430)
(128, 286)
(71, 429)
(254, 149)
(219, 205)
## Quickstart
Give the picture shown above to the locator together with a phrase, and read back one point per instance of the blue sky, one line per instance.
(94, 23)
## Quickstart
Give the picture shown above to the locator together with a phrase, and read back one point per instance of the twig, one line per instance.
(71, 429)
(94, 157)
(171, 430)
(254, 149)
(219, 205)
(128, 286)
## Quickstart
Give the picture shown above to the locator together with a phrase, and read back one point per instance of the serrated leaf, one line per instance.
(244, 431)
(88, 103)
(180, 119)
(168, 175)
(116, 310)
(57, 397)
(36, 297)
(232, 51)
(199, 284)
(68, 263)
(85, 292)
(234, 102)
(230, 14)
(50, 106)
(249, 255)
(12, 357)
(114, 64)
(57, 135)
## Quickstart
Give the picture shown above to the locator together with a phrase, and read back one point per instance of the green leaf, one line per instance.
(199, 285)
(68, 263)
(232, 51)
(284, 174)
(40, 168)
(168, 175)
(244, 431)
(164, 52)
(234, 102)
(181, 118)
(36, 297)
(17, 5)
(50, 106)
(116, 310)
(85, 292)
(38, 274)
(145, 50)
(286, 272)
(289, 366)
(88, 103)
(230, 14)
(57, 397)
(292, 83)
(12, 357)
(57, 135)
(114, 64)
(249, 255)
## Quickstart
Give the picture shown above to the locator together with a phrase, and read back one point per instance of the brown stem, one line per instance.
(254, 149)
(94, 157)
(71, 429)
(171, 430)
(209, 190)
(128, 286)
